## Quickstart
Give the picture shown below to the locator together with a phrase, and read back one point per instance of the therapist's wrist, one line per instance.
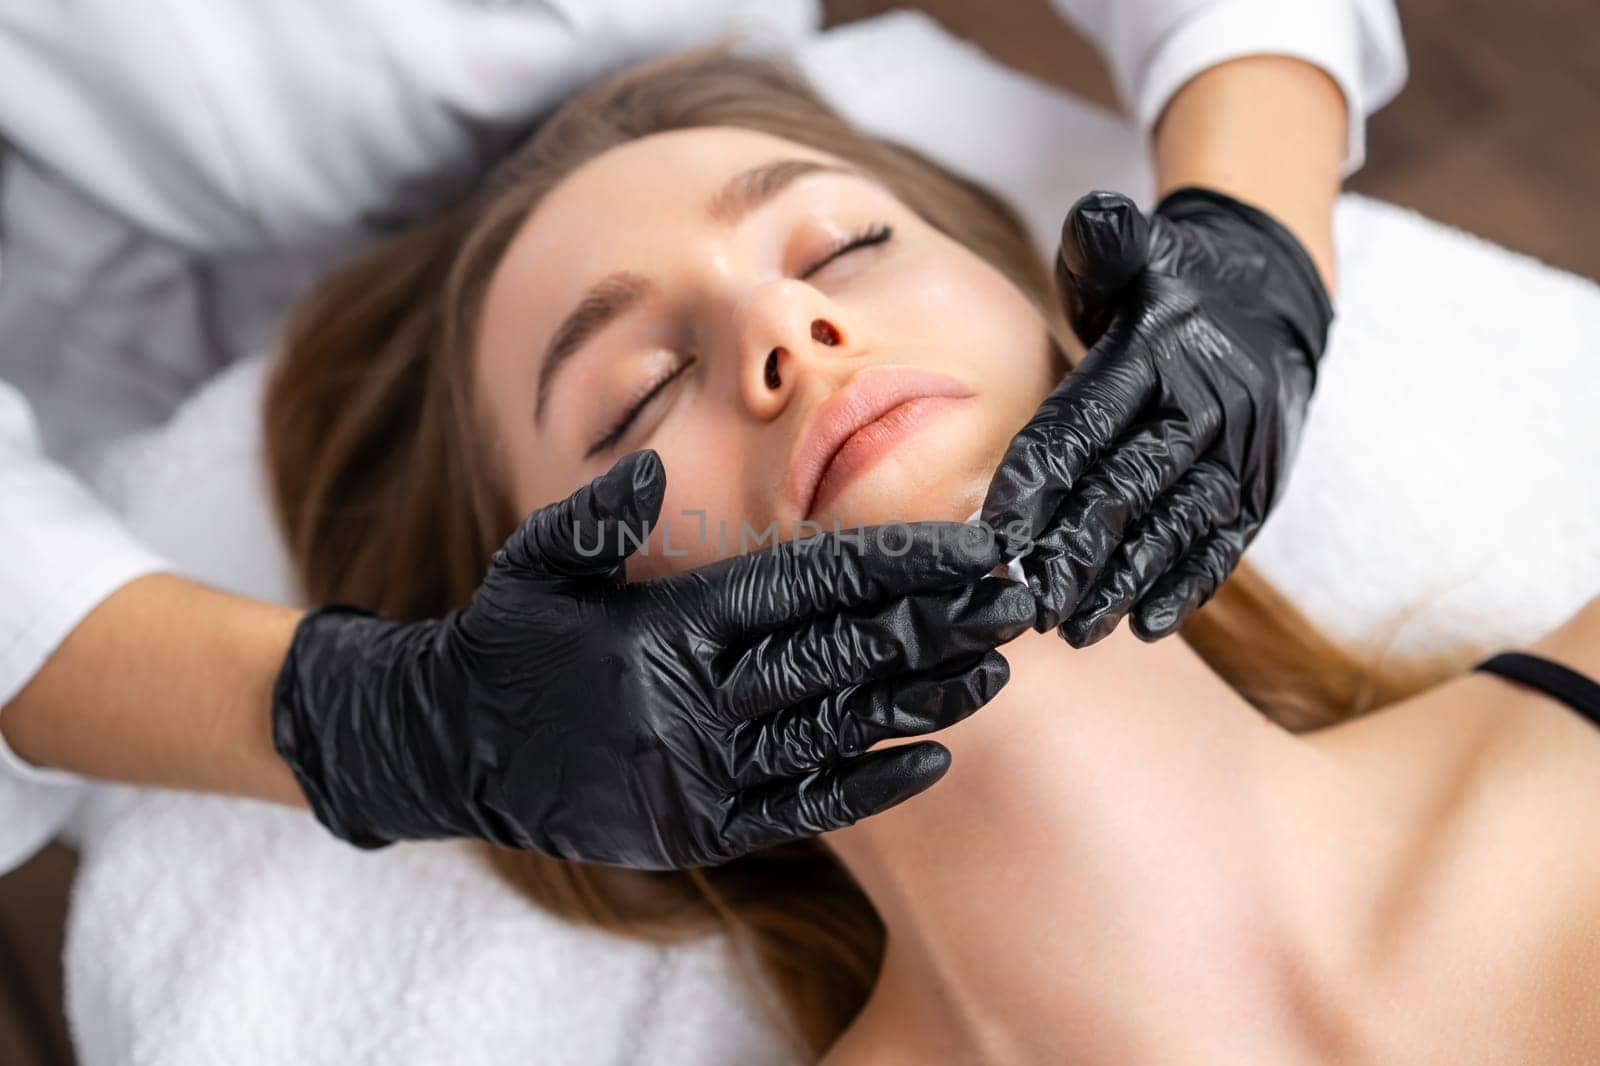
(1269, 131)
(167, 682)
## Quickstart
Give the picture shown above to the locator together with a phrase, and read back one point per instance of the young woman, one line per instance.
(1126, 861)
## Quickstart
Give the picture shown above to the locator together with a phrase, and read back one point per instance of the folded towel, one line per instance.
(1445, 499)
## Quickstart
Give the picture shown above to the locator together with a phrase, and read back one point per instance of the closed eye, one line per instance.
(878, 233)
(620, 428)
(873, 235)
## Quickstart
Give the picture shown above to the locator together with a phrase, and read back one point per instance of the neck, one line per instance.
(1124, 856)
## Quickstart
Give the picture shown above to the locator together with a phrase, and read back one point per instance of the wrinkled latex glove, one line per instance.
(656, 724)
(1143, 477)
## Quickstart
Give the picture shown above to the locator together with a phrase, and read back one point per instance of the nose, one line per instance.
(787, 330)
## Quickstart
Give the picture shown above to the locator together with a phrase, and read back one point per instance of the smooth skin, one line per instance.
(1184, 882)
(1268, 130)
(168, 681)
(1126, 863)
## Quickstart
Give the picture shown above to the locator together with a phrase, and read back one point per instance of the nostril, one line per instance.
(771, 369)
(824, 332)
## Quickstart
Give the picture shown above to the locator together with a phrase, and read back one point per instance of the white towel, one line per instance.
(1447, 493)
(206, 930)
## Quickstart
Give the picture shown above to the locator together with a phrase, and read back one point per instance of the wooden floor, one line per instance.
(1497, 131)
(33, 905)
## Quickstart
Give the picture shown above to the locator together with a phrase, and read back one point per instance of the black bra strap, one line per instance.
(1580, 693)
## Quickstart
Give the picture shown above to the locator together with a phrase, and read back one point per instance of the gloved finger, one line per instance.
(750, 595)
(913, 633)
(843, 725)
(593, 530)
(1105, 243)
(834, 798)
(1091, 524)
(1072, 429)
(1203, 499)
(1185, 589)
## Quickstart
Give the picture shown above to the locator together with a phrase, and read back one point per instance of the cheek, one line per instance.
(704, 506)
(974, 316)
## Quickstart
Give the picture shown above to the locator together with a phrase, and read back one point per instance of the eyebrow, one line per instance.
(607, 299)
(612, 296)
(749, 189)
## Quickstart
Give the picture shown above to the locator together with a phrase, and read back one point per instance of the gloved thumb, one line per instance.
(1104, 245)
(591, 532)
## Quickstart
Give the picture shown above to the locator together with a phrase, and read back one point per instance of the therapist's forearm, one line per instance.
(167, 682)
(1268, 130)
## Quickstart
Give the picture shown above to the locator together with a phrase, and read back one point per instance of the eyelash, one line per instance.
(614, 435)
(875, 234)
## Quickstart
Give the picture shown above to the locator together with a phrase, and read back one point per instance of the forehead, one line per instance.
(695, 159)
(662, 182)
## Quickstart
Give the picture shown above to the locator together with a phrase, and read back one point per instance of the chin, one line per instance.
(916, 484)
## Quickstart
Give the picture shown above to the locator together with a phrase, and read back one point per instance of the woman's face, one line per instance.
(794, 342)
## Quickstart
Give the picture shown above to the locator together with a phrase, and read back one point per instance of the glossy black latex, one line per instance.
(654, 724)
(1140, 481)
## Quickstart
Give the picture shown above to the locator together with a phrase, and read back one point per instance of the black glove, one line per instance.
(655, 724)
(1140, 481)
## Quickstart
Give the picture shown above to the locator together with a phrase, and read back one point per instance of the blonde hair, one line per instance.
(387, 496)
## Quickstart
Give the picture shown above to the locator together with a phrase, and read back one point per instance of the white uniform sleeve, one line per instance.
(61, 553)
(1154, 47)
(235, 123)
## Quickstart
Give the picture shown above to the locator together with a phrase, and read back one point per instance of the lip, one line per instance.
(893, 402)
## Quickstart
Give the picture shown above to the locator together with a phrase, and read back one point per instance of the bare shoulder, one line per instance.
(1568, 995)
(1576, 643)
(1452, 725)
(1499, 785)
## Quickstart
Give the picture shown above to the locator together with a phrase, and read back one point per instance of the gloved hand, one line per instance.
(656, 724)
(1140, 481)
